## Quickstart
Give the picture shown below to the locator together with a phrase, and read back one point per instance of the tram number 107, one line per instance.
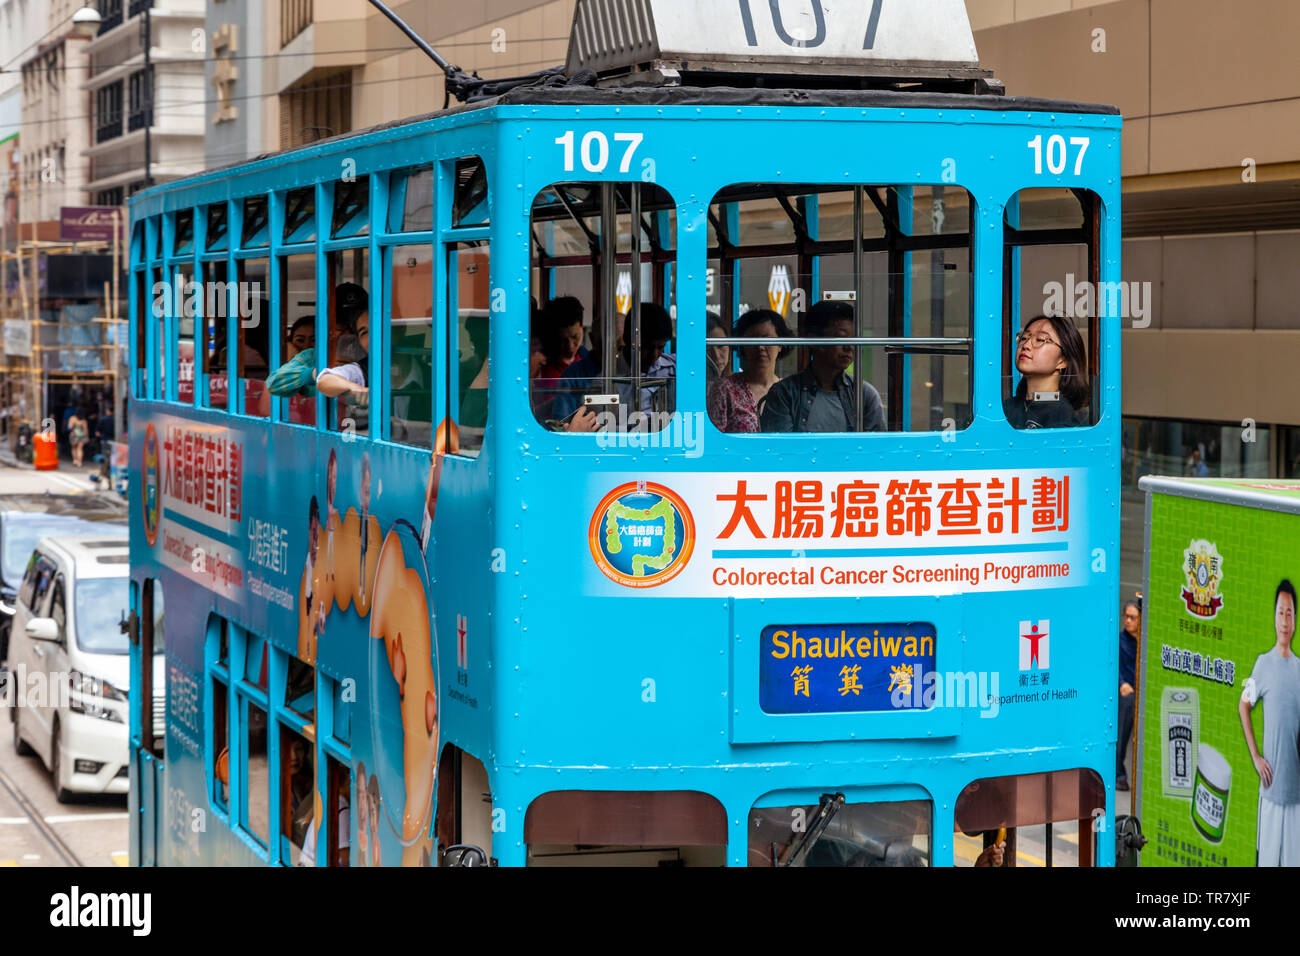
(594, 150)
(1058, 153)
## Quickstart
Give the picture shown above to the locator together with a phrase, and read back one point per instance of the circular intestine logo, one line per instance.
(641, 535)
(150, 485)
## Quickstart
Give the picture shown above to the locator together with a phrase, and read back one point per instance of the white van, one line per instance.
(69, 658)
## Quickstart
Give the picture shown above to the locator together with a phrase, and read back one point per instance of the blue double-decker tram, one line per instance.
(706, 456)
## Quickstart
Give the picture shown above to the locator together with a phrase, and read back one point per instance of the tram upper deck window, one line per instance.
(183, 293)
(869, 290)
(254, 336)
(351, 208)
(256, 225)
(215, 307)
(604, 265)
(218, 234)
(346, 376)
(470, 195)
(410, 199)
(300, 215)
(183, 243)
(855, 834)
(1051, 306)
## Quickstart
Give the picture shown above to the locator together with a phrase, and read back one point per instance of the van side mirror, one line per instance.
(43, 629)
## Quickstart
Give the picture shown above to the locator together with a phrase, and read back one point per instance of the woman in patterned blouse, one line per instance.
(734, 400)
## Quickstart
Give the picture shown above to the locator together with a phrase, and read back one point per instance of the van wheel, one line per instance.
(61, 793)
(20, 746)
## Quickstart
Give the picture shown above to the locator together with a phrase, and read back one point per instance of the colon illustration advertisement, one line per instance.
(1217, 660)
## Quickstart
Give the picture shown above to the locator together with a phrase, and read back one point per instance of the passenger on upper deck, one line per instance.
(821, 397)
(353, 310)
(735, 400)
(296, 374)
(1051, 357)
(719, 356)
(561, 334)
(657, 368)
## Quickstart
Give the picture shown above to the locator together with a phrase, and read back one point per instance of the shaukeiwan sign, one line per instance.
(88, 223)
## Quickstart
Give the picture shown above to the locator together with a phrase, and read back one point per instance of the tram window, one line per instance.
(157, 239)
(1050, 308)
(218, 236)
(220, 751)
(215, 307)
(254, 335)
(464, 798)
(349, 341)
(894, 833)
(255, 229)
(257, 781)
(300, 215)
(183, 292)
(410, 199)
(351, 208)
(338, 807)
(411, 341)
(1044, 819)
(153, 700)
(297, 793)
(183, 242)
(298, 345)
(300, 688)
(626, 828)
(255, 660)
(159, 310)
(470, 263)
(791, 251)
(470, 193)
(592, 386)
(342, 713)
(143, 310)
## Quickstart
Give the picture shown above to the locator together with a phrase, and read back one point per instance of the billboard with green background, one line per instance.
(1214, 570)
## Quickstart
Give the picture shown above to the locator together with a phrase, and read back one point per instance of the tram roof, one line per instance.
(689, 96)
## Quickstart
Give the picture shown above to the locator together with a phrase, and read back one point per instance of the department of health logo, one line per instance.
(150, 486)
(641, 535)
(1203, 569)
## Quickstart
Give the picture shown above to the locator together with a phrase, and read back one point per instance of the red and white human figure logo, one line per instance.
(462, 644)
(1034, 645)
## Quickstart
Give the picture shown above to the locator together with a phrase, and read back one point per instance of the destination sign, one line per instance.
(837, 668)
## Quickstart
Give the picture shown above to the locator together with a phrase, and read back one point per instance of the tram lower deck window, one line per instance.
(625, 828)
(597, 278)
(865, 295)
(833, 832)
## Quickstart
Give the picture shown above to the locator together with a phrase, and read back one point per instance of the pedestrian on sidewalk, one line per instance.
(78, 432)
(1128, 641)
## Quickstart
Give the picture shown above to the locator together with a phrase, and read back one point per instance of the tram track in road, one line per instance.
(52, 839)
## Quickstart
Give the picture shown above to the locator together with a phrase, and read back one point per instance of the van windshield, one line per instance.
(101, 605)
(21, 535)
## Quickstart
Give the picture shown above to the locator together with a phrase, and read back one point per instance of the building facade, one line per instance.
(148, 119)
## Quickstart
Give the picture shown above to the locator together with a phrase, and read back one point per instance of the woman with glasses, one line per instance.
(1054, 376)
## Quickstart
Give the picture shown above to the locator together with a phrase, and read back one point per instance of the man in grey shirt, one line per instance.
(822, 397)
(1276, 681)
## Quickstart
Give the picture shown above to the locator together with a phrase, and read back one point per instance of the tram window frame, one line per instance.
(299, 217)
(465, 439)
(261, 313)
(1016, 318)
(341, 409)
(407, 428)
(245, 697)
(584, 205)
(989, 803)
(181, 290)
(411, 210)
(152, 642)
(142, 303)
(183, 233)
(214, 313)
(654, 826)
(885, 219)
(350, 208)
(217, 655)
(296, 409)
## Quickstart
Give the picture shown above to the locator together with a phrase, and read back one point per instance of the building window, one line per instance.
(141, 99)
(316, 110)
(108, 112)
(110, 12)
(295, 16)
